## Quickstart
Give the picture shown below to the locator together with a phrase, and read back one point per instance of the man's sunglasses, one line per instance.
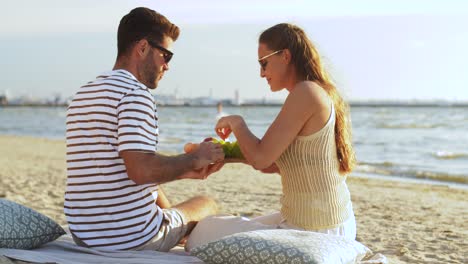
(167, 54)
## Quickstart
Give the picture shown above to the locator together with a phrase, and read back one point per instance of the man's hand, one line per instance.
(202, 173)
(207, 153)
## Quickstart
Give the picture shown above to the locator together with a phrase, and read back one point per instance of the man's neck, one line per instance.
(122, 64)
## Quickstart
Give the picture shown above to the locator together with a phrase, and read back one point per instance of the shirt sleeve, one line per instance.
(137, 122)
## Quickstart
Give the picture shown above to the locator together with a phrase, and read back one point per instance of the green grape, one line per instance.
(236, 151)
(231, 150)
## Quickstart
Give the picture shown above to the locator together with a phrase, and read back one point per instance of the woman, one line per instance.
(309, 142)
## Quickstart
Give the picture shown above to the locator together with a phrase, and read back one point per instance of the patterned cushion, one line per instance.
(24, 228)
(281, 246)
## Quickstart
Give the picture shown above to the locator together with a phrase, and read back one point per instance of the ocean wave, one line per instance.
(444, 155)
(373, 170)
(384, 164)
(171, 140)
(410, 126)
(417, 174)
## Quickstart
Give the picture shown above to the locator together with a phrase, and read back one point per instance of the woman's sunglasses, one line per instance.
(262, 60)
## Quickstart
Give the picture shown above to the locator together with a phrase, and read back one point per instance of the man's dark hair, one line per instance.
(142, 23)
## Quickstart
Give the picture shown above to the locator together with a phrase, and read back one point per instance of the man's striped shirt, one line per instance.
(103, 207)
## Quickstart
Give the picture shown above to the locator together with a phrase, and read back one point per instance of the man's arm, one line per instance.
(148, 167)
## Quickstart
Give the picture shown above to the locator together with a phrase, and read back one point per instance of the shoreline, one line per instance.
(370, 175)
(413, 180)
(442, 104)
(405, 221)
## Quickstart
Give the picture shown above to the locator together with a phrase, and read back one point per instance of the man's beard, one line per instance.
(151, 73)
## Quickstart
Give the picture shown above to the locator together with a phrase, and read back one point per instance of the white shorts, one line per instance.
(173, 229)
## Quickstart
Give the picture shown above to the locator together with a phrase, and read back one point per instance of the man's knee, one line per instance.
(198, 208)
(208, 202)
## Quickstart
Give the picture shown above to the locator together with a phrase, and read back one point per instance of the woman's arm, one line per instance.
(271, 169)
(300, 105)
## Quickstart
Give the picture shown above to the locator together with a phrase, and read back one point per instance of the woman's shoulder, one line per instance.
(311, 92)
(310, 86)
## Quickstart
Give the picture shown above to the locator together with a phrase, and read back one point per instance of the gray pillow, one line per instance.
(281, 246)
(24, 228)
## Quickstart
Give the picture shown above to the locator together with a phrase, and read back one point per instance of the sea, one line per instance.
(396, 142)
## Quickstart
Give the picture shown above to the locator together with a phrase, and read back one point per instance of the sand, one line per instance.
(407, 222)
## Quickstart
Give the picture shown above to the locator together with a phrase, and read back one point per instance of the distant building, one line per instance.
(199, 101)
(3, 100)
(237, 97)
(162, 99)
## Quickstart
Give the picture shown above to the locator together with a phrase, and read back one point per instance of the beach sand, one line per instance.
(407, 222)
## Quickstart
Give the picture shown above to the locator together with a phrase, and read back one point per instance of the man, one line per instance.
(111, 199)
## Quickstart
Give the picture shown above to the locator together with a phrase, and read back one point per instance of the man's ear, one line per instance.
(142, 47)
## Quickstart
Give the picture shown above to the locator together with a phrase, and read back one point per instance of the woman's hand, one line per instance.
(225, 125)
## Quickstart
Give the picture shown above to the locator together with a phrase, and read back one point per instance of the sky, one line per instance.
(375, 50)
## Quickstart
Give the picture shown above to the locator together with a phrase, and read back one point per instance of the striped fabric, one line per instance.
(315, 194)
(103, 207)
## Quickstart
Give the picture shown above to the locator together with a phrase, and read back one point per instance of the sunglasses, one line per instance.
(167, 54)
(263, 62)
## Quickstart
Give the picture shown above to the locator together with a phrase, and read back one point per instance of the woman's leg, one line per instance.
(274, 219)
(215, 227)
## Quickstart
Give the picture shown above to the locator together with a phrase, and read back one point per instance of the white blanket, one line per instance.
(64, 250)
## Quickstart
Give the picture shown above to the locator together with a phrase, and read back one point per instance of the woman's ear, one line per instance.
(286, 56)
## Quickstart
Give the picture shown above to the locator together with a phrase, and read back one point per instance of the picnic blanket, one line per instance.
(64, 250)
